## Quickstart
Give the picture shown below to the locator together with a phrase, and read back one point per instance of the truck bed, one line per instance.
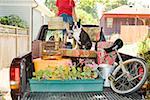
(107, 94)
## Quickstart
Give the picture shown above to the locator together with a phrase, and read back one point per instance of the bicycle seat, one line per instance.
(116, 45)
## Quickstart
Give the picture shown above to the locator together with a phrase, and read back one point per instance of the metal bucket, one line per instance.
(105, 70)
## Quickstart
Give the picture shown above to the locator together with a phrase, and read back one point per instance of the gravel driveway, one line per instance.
(4, 83)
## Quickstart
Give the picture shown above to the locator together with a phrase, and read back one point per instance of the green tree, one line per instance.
(88, 6)
(86, 17)
(114, 4)
(51, 5)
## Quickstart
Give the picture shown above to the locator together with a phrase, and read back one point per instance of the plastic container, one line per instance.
(106, 69)
(66, 85)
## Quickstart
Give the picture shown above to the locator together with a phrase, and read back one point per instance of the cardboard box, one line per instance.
(93, 32)
(40, 64)
(57, 23)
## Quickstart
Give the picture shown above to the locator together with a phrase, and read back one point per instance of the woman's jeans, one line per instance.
(67, 19)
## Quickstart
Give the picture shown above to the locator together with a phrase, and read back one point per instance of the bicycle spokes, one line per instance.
(135, 71)
(122, 84)
(131, 79)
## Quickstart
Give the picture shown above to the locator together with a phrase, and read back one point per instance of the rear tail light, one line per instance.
(14, 77)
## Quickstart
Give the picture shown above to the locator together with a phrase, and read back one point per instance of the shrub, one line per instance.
(13, 20)
(144, 51)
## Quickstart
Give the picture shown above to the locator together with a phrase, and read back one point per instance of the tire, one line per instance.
(14, 95)
(138, 85)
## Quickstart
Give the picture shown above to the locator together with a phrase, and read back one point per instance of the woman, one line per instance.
(66, 9)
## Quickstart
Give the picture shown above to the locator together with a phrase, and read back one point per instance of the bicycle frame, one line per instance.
(121, 64)
(111, 77)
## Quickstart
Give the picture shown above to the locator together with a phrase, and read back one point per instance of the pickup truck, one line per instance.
(22, 69)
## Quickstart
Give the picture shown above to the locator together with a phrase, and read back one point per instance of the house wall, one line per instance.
(20, 43)
(138, 31)
(117, 22)
(38, 20)
(22, 11)
(46, 20)
(25, 13)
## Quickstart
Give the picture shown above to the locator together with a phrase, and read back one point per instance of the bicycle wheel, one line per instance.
(131, 82)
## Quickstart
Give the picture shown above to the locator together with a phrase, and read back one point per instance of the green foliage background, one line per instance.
(144, 49)
(86, 9)
(13, 20)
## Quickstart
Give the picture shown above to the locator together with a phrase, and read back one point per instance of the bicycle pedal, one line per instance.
(111, 78)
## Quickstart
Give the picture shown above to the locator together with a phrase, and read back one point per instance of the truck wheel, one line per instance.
(14, 95)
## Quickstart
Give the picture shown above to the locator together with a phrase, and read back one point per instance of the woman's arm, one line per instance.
(57, 6)
(74, 15)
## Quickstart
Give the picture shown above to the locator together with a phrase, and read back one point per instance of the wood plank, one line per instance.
(8, 26)
(18, 43)
(22, 45)
(7, 44)
(132, 34)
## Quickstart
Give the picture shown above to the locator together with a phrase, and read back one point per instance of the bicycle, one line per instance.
(129, 75)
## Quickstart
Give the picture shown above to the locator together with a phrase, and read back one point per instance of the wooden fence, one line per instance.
(14, 42)
(133, 34)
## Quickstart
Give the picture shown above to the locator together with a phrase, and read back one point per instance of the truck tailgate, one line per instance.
(107, 94)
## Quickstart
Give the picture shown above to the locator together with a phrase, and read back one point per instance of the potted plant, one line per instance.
(144, 52)
(1, 96)
(66, 79)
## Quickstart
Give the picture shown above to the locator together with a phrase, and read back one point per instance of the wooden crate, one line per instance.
(51, 48)
(45, 49)
(36, 49)
(133, 34)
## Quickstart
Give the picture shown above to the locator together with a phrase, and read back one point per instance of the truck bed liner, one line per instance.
(107, 94)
